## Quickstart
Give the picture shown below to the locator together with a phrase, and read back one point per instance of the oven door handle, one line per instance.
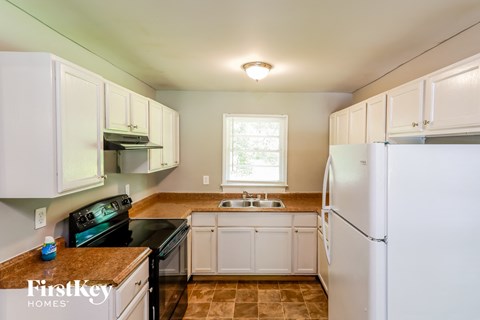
(164, 255)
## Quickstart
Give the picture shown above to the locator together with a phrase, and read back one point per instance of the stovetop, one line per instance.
(152, 233)
(105, 223)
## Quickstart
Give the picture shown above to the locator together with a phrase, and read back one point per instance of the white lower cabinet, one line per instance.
(128, 301)
(204, 249)
(305, 250)
(254, 243)
(236, 248)
(273, 250)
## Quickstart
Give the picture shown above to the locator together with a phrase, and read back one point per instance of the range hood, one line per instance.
(118, 141)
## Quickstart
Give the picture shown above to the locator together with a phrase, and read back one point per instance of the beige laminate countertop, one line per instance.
(180, 205)
(100, 266)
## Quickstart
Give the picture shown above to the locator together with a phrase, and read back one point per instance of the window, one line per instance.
(255, 150)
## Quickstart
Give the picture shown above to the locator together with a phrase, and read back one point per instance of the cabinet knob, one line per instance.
(135, 126)
(296, 231)
(212, 230)
(414, 124)
(138, 283)
(104, 177)
(426, 122)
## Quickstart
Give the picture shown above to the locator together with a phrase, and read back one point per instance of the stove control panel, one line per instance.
(98, 212)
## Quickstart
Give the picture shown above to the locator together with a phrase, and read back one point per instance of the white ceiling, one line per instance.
(314, 45)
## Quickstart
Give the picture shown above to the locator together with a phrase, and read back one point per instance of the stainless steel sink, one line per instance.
(251, 203)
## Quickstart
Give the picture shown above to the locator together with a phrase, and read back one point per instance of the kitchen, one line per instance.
(308, 142)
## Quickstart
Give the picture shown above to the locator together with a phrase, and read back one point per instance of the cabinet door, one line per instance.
(453, 98)
(236, 250)
(341, 127)
(405, 108)
(155, 134)
(331, 129)
(376, 118)
(357, 123)
(117, 108)
(138, 308)
(273, 252)
(79, 128)
(170, 137)
(189, 248)
(322, 266)
(305, 250)
(138, 113)
(204, 248)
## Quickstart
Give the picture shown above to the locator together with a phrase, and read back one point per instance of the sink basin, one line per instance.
(251, 203)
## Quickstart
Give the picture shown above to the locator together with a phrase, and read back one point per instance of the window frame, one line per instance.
(234, 185)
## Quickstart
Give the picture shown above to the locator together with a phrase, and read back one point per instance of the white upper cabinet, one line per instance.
(51, 115)
(405, 108)
(341, 126)
(357, 123)
(376, 118)
(139, 113)
(155, 135)
(79, 135)
(331, 129)
(125, 111)
(171, 139)
(163, 129)
(453, 98)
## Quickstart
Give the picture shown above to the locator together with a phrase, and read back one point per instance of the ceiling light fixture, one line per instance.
(257, 70)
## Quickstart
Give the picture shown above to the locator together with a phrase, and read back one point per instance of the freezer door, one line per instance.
(357, 274)
(433, 232)
(358, 186)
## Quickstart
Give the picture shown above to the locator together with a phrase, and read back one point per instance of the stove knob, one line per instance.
(126, 201)
(90, 216)
(82, 219)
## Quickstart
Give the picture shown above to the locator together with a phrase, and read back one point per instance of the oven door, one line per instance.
(170, 287)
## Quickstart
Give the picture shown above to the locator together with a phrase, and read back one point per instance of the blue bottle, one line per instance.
(49, 249)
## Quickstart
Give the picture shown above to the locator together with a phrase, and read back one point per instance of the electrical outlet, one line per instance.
(40, 218)
(206, 180)
(127, 189)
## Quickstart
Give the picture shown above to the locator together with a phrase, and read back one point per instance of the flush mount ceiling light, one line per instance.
(257, 70)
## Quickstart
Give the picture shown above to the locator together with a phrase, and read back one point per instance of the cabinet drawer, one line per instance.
(130, 287)
(200, 219)
(305, 219)
(254, 219)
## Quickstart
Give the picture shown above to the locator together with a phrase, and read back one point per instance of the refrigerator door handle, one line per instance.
(325, 183)
(326, 208)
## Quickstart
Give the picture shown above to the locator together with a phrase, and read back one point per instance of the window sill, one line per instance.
(253, 188)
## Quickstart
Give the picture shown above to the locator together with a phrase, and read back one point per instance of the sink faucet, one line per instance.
(246, 195)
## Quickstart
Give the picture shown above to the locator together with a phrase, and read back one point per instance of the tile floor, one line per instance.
(256, 300)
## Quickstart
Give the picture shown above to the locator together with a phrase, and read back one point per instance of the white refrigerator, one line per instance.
(404, 225)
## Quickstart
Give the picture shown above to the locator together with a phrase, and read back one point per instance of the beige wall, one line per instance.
(462, 46)
(201, 134)
(19, 32)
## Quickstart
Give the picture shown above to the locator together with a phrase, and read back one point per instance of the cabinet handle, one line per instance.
(426, 122)
(414, 124)
(138, 283)
(135, 126)
(104, 177)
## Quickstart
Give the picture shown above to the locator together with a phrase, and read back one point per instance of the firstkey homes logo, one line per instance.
(57, 296)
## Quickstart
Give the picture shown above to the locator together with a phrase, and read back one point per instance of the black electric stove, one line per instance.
(105, 223)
